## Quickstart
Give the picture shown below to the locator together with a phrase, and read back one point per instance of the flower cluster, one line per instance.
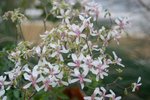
(15, 16)
(70, 53)
(101, 94)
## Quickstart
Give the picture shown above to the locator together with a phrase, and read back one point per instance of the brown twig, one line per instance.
(45, 19)
(21, 32)
(30, 97)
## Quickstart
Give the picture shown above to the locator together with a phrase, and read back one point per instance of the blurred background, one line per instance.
(134, 47)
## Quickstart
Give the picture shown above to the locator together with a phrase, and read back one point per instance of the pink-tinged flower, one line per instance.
(98, 32)
(64, 16)
(116, 35)
(101, 69)
(122, 22)
(2, 88)
(15, 56)
(77, 31)
(40, 51)
(12, 75)
(33, 78)
(80, 77)
(77, 61)
(102, 93)
(86, 21)
(90, 46)
(58, 50)
(93, 9)
(94, 96)
(105, 39)
(46, 34)
(88, 63)
(40, 67)
(113, 96)
(117, 60)
(55, 74)
(2, 83)
(47, 83)
(60, 81)
(63, 35)
(53, 71)
(136, 85)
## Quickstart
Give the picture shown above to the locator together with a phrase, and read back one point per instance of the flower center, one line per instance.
(77, 63)
(81, 78)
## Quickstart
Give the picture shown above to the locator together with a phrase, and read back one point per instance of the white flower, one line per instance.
(65, 16)
(90, 46)
(53, 71)
(47, 34)
(55, 7)
(98, 32)
(116, 35)
(77, 31)
(105, 39)
(113, 96)
(121, 22)
(102, 93)
(40, 67)
(94, 9)
(15, 56)
(13, 75)
(2, 87)
(60, 81)
(2, 83)
(88, 63)
(80, 77)
(63, 33)
(40, 51)
(47, 83)
(86, 21)
(101, 69)
(94, 96)
(77, 61)
(136, 85)
(33, 78)
(117, 60)
(58, 49)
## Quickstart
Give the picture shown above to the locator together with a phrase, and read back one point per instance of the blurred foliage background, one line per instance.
(133, 51)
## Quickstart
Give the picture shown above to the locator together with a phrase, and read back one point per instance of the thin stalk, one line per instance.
(21, 32)
(30, 97)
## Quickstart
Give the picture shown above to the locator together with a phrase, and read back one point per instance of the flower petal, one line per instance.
(26, 76)
(73, 80)
(27, 85)
(74, 57)
(2, 92)
(71, 64)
